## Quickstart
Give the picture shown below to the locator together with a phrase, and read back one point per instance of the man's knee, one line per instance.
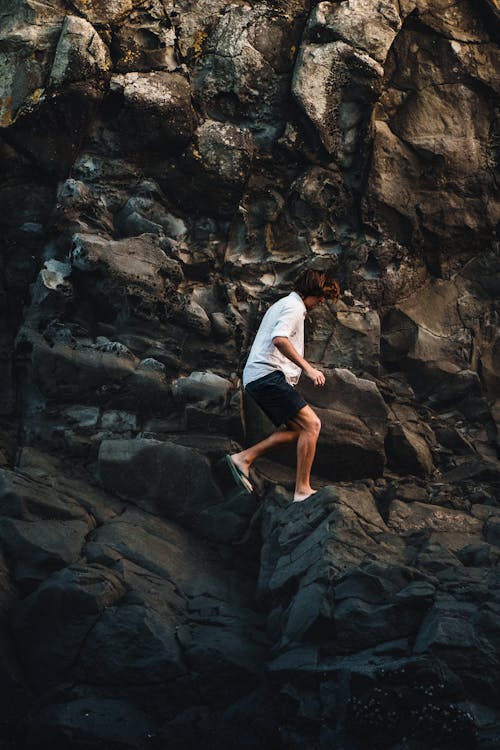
(308, 421)
(316, 425)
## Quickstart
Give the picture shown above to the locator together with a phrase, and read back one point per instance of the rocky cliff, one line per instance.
(167, 168)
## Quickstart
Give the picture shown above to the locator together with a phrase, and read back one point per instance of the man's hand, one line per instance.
(285, 346)
(316, 376)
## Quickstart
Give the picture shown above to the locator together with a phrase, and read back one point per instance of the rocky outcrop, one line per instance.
(168, 169)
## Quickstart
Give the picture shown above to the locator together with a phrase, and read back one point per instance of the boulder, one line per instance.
(354, 423)
(392, 603)
(175, 482)
(63, 609)
(203, 388)
(48, 118)
(242, 75)
(132, 644)
(78, 373)
(336, 79)
(97, 11)
(408, 451)
(213, 171)
(453, 529)
(37, 548)
(80, 53)
(347, 338)
(357, 23)
(157, 111)
(420, 137)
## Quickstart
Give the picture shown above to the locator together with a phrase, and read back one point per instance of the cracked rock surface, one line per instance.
(168, 169)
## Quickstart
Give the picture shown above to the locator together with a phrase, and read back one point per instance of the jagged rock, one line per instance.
(146, 225)
(175, 482)
(65, 607)
(349, 23)
(225, 150)
(27, 498)
(144, 213)
(48, 125)
(97, 11)
(157, 654)
(147, 41)
(139, 258)
(37, 548)
(23, 78)
(336, 78)
(60, 478)
(458, 528)
(419, 138)
(202, 612)
(71, 373)
(189, 314)
(243, 72)
(354, 423)
(350, 338)
(157, 109)
(407, 451)
(151, 364)
(204, 388)
(474, 468)
(80, 53)
(212, 173)
(460, 22)
(434, 349)
(80, 210)
(349, 508)
(335, 580)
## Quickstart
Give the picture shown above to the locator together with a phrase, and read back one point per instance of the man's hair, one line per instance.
(316, 284)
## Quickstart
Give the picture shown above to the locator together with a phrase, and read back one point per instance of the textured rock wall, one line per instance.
(167, 168)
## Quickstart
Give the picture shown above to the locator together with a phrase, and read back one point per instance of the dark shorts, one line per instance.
(277, 398)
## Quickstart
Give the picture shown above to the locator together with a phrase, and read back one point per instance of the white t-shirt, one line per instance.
(284, 318)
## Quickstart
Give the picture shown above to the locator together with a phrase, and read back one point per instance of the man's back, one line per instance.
(284, 318)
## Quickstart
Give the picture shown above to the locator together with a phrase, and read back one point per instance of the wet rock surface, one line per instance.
(168, 169)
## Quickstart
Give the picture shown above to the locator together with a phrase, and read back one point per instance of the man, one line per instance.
(273, 368)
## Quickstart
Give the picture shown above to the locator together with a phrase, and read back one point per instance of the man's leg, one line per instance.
(245, 459)
(303, 428)
(309, 426)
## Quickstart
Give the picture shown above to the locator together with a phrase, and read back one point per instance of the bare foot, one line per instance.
(300, 496)
(241, 464)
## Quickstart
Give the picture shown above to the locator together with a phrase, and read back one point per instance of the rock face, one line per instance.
(168, 169)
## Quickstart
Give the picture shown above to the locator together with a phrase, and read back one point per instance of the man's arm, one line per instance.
(285, 346)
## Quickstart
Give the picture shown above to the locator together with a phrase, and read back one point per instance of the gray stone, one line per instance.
(430, 127)
(119, 421)
(97, 11)
(80, 53)
(407, 451)
(131, 644)
(62, 609)
(335, 83)
(204, 388)
(419, 516)
(175, 482)
(157, 109)
(349, 22)
(37, 548)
